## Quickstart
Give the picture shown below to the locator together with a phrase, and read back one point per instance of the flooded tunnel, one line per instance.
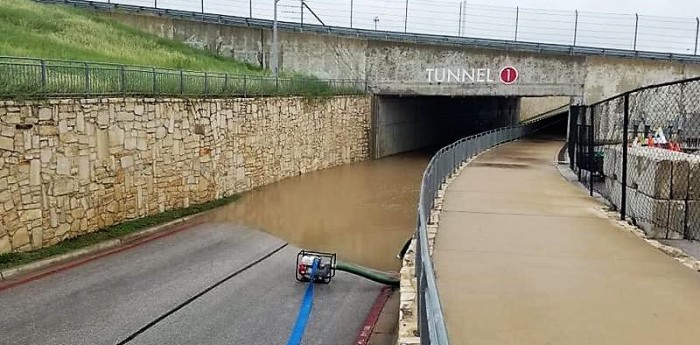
(365, 211)
(408, 123)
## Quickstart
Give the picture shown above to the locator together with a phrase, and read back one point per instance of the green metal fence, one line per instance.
(40, 78)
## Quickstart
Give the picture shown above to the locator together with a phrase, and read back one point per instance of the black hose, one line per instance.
(404, 249)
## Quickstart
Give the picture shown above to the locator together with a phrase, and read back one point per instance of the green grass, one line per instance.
(116, 231)
(29, 29)
(58, 32)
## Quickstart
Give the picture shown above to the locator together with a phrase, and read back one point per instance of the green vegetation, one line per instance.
(59, 32)
(114, 52)
(116, 231)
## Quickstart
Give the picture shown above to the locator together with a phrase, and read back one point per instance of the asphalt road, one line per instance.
(108, 300)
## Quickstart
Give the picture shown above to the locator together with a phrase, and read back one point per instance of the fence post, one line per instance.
(517, 19)
(206, 83)
(575, 27)
(464, 19)
(182, 82)
(43, 77)
(245, 86)
(122, 79)
(405, 20)
(459, 29)
(87, 79)
(225, 82)
(636, 28)
(572, 139)
(579, 135)
(697, 31)
(591, 151)
(352, 6)
(153, 71)
(625, 132)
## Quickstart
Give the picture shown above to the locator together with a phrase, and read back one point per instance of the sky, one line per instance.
(666, 26)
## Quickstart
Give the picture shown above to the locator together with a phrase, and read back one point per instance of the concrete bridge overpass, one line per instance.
(428, 90)
(417, 64)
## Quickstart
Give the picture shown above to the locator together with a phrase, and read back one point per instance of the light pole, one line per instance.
(376, 20)
(274, 61)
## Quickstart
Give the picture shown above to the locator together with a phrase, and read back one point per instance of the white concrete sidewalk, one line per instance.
(524, 257)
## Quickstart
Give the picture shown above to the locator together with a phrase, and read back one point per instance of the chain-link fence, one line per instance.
(461, 23)
(641, 151)
(36, 78)
(464, 18)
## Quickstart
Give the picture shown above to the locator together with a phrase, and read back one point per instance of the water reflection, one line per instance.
(363, 211)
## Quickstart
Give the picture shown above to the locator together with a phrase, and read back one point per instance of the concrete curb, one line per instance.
(8, 273)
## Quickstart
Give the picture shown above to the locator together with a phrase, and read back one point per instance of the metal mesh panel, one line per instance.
(662, 161)
(606, 141)
(644, 157)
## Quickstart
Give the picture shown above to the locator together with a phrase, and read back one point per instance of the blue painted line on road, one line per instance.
(304, 311)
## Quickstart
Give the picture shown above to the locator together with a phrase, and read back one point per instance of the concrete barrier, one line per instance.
(692, 217)
(694, 178)
(650, 214)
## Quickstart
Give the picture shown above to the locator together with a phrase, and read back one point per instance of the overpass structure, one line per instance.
(427, 90)
(417, 64)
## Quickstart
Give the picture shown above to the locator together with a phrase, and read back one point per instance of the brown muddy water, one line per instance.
(364, 212)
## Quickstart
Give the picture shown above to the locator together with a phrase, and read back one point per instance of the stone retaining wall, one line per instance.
(69, 167)
(663, 190)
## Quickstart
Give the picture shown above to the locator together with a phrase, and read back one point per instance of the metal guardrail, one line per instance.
(35, 78)
(444, 163)
(381, 35)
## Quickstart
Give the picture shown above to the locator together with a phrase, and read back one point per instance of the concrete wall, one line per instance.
(404, 124)
(401, 125)
(607, 77)
(533, 106)
(71, 167)
(400, 68)
(320, 55)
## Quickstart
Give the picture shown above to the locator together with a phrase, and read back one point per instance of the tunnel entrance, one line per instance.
(408, 123)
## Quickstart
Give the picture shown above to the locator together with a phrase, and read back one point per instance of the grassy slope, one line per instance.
(56, 32)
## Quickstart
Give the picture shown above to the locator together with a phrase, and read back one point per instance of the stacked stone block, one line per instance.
(663, 190)
(70, 167)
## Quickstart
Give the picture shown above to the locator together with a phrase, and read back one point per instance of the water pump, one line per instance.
(323, 271)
